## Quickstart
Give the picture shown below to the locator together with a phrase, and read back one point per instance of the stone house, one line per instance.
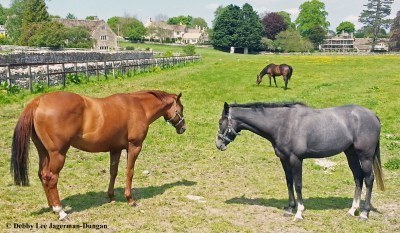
(162, 31)
(105, 39)
(338, 43)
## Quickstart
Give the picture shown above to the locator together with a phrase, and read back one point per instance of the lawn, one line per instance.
(184, 184)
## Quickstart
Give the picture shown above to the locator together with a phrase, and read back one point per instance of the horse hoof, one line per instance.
(287, 214)
(353, 214)
(298, 219)
(64, 217)
(133, 204)
(363, 217)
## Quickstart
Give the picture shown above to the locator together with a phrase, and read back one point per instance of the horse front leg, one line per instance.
(275, 80)
(114, 161)
(133, 152)
(296, 165)
(289, 182)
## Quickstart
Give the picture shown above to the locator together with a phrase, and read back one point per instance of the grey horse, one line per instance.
(297, 132)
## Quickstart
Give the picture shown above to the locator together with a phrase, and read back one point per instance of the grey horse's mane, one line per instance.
(267, 105)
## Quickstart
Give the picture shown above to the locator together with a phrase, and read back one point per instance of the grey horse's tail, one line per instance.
(378, 168)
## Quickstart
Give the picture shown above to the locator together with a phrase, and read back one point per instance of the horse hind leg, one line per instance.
(358, 175)
(50, 176)
(366, 165)
(43, 162)
(114, 161)
(285, 78)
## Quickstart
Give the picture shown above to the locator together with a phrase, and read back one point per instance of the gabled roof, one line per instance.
(194, 35)
(91, 25)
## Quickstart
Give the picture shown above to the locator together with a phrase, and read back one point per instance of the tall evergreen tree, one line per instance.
(225, 27)
(394, 41)
(35, 11)
(374, 17)
(250, 29)
(237, 27)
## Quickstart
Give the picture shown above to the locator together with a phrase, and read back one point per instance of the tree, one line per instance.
(199, 22)
(273, 24)
(70, 16)
(312, 13)
(91, 17)
(394, 41)
(291, 41)
(345, 26)
(184, 20)
(225, 27)
(34, 11)
(374, 17)
(235, 26)
(3, 15)
(78, 37)
(316, 35)
(250, 29)
(14, 22)
(287, 19)
(47, 34)
(127, 27)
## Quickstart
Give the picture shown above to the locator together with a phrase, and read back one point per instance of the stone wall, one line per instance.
(70, 56)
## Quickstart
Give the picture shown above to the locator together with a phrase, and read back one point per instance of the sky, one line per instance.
(338, 10)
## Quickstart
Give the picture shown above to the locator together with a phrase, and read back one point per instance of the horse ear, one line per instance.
(226, 108)
(179, 96)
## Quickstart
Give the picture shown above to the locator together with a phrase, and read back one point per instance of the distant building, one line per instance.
(365, 45)
(162, 31)
(347, 43)
(105, 39)
(3, 30)
(339, 43)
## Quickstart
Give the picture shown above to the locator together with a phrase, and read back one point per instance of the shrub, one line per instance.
(189, 50)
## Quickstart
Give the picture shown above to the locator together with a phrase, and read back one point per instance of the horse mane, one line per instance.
(257, 105)
(161, 95)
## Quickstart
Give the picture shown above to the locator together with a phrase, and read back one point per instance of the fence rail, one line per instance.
(25, 75)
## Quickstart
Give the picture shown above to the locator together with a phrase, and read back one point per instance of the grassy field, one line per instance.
(243, 188)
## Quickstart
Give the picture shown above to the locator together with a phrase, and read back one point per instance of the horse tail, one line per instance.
(378, 168)
(290, 72)
(20, 146)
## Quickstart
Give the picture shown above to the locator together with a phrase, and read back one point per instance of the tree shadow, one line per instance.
(84, 201)
(313, 203)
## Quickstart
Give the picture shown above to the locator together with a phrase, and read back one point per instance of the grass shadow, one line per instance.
(81, 202)
(313, 203)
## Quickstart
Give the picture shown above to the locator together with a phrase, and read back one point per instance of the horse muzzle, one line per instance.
(181, 130)
(220, 144)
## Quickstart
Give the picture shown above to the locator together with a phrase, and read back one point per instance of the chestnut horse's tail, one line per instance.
(20, 145)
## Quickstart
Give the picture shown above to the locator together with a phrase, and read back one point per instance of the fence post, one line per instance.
(97, 71)
(113, 69)
(87, 71)
(30, 78)
(105, 69)
(76, 69)
(48, 75)
(63, 75)
(9, 77)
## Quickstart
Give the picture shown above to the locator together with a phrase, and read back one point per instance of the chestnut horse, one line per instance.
(276, 70)
(58, 120)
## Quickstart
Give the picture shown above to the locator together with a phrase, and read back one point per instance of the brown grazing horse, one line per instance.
(58, 120)
(276, 70)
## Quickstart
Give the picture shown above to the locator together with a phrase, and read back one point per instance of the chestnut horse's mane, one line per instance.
(161, 95)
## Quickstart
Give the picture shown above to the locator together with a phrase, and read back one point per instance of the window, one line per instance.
(103, 37)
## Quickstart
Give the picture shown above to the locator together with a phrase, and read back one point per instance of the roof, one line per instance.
(194, 35)
(91, 25)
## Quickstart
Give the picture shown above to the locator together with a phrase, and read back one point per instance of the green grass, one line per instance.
(244, 187)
